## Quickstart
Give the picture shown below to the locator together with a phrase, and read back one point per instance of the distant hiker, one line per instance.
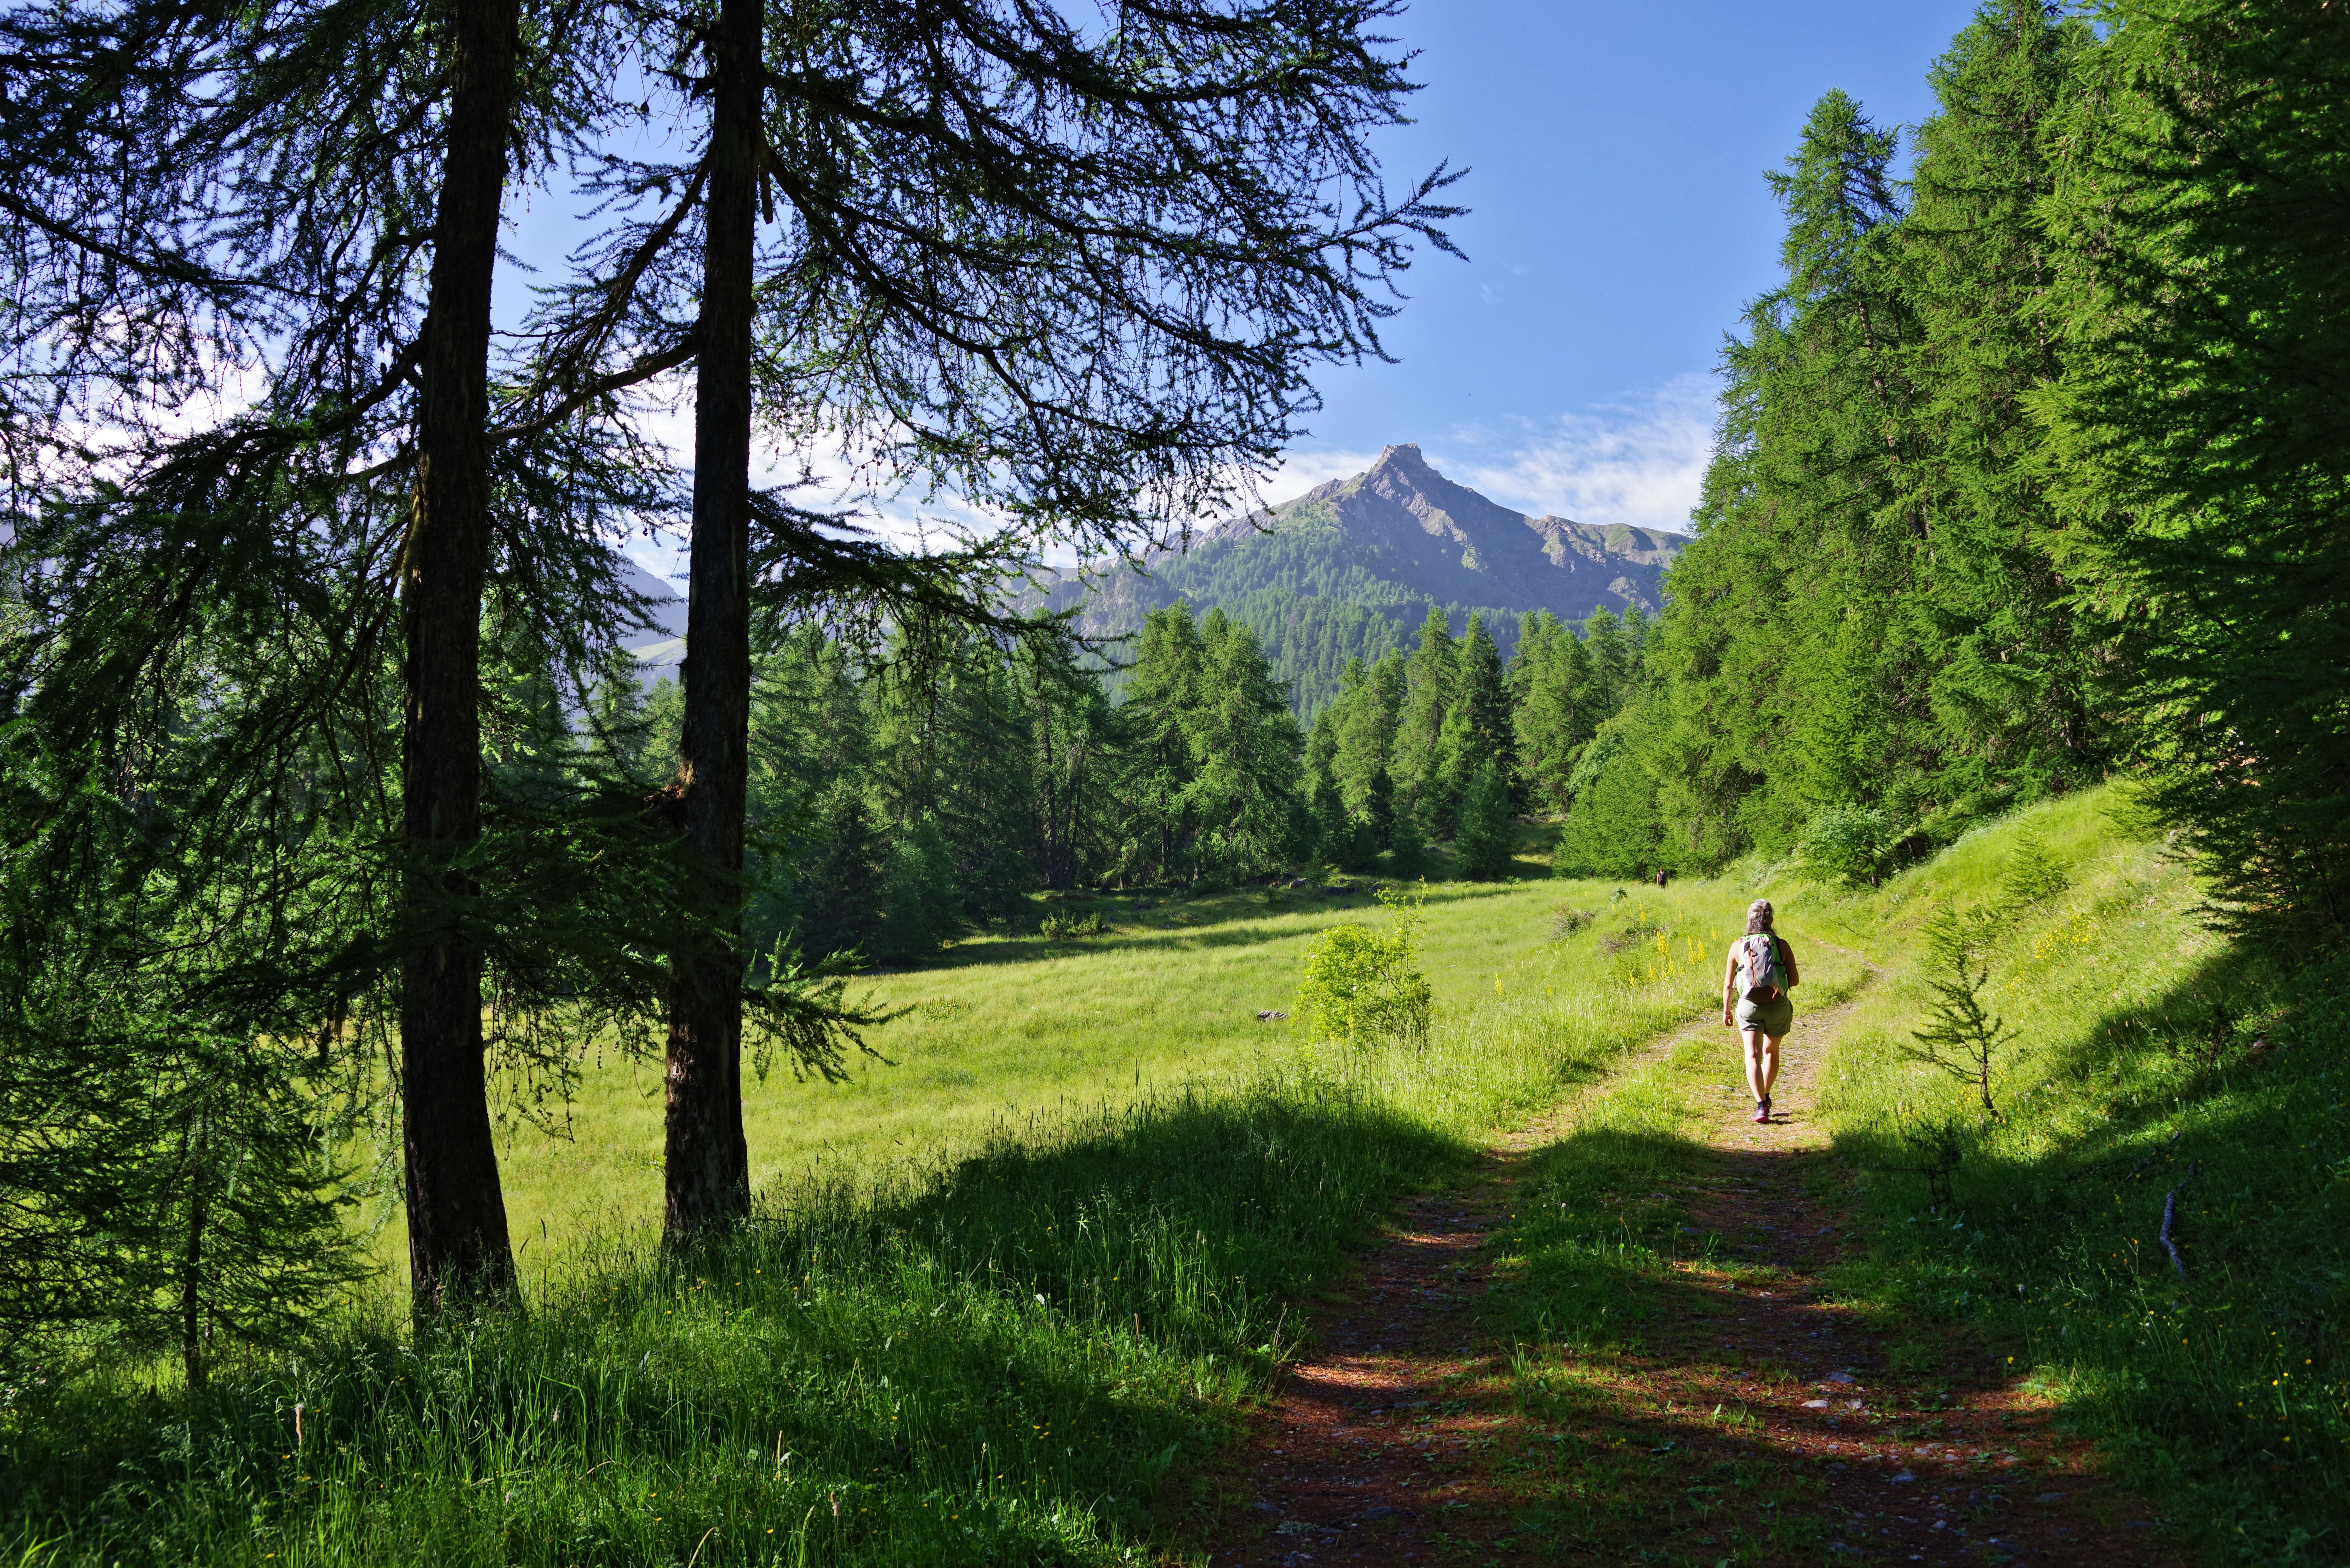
(1754, 986)
(1660, 879)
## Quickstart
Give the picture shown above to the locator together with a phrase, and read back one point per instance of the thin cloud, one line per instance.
(1640, 462)
(1303, 471)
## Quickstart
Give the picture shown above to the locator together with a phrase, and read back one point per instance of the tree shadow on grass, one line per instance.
(1005, 1362)
(2221, 1377)
(1237, 928)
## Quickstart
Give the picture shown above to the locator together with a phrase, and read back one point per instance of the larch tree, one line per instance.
(1076, 278)
(2202, 426)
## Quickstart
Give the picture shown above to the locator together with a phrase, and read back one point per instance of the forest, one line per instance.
(342, 838)
(2030, 473)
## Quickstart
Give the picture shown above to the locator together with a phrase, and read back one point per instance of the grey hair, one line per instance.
(1758, 916)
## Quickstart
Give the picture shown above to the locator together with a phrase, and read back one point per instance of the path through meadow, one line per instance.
(1751, 1417)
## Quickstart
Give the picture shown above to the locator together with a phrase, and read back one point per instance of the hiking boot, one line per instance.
(1762, 1109)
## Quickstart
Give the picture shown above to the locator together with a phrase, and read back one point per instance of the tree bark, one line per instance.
(458, 1249)
(706, 1161)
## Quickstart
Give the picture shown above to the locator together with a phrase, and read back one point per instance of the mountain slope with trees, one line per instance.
(1350, 568)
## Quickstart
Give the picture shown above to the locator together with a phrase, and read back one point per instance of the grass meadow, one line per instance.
(1009, 1293)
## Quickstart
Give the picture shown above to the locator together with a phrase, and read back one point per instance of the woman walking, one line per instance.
(1754, 986)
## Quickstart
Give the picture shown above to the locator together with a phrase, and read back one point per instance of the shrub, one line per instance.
(1363, 987)
(2032, 875)
(1849, 845)
(1058, 926)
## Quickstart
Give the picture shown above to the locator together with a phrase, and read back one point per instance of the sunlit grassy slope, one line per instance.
(2154, 1064)
(1047, 1258)
(1011, 1037)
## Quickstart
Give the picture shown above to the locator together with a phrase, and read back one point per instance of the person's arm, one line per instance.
(1788, 952)
(1730, 983)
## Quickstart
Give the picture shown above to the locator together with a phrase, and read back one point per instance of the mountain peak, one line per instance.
(1443, 540)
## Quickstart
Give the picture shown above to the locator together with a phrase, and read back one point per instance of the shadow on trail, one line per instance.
(1665, 1316)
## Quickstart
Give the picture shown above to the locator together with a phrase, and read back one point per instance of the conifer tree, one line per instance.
(1487, 840)
(1161, 698)
(1481, 727)
(1099, 388)
(1321, 749)
(1370, 698)
(1794, 676)
(1428, 678)
(1245, 748)
(2011, 668)
(1074, 757)
(1558, 708)
(2201, 428)
(281, 221)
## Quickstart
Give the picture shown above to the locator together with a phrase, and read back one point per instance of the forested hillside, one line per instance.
(1351, 568)
(2032, 472)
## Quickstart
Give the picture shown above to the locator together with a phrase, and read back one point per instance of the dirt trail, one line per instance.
(1413, 1431)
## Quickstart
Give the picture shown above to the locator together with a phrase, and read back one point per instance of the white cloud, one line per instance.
(1639, 461)
(1303, 471)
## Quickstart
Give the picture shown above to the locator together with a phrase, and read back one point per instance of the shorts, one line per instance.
(1773, 1018)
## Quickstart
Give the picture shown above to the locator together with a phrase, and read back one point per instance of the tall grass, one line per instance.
(2156, 1066)
(1016, 1355)
(1019, 1347)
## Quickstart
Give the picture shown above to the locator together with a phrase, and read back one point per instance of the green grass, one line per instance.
(2152, 1058)
(2149, 1049)
(1006, 1037)
(1016, 1351)
(1007, 1295)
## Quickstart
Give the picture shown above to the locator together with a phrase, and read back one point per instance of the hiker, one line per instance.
(1754, 985)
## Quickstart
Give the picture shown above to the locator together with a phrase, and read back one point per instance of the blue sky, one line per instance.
(1619, 222)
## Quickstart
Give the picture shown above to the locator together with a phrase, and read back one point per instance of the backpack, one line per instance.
(1763, 970)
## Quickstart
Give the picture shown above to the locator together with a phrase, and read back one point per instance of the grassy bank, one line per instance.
(2152, 1066)
(1013, 1355)
(1019, 1349)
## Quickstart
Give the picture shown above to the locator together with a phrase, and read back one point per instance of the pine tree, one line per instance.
(2200, 425)
(1429, 676)
(1366, 715)
(1321, 749)
(1246, 747)
(1557, 709)
(1074, 757)
(1487, 839)
(1161, 701)
(905, 281)
(1796, 676)
(2011, 669)
(1485, 730)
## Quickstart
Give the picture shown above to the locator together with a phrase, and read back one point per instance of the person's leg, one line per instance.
(1757, 1084)
(1767, 1069)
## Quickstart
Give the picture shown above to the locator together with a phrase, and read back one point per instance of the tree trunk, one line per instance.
(706, 1162)
(458, 1248)
(192, 1257)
